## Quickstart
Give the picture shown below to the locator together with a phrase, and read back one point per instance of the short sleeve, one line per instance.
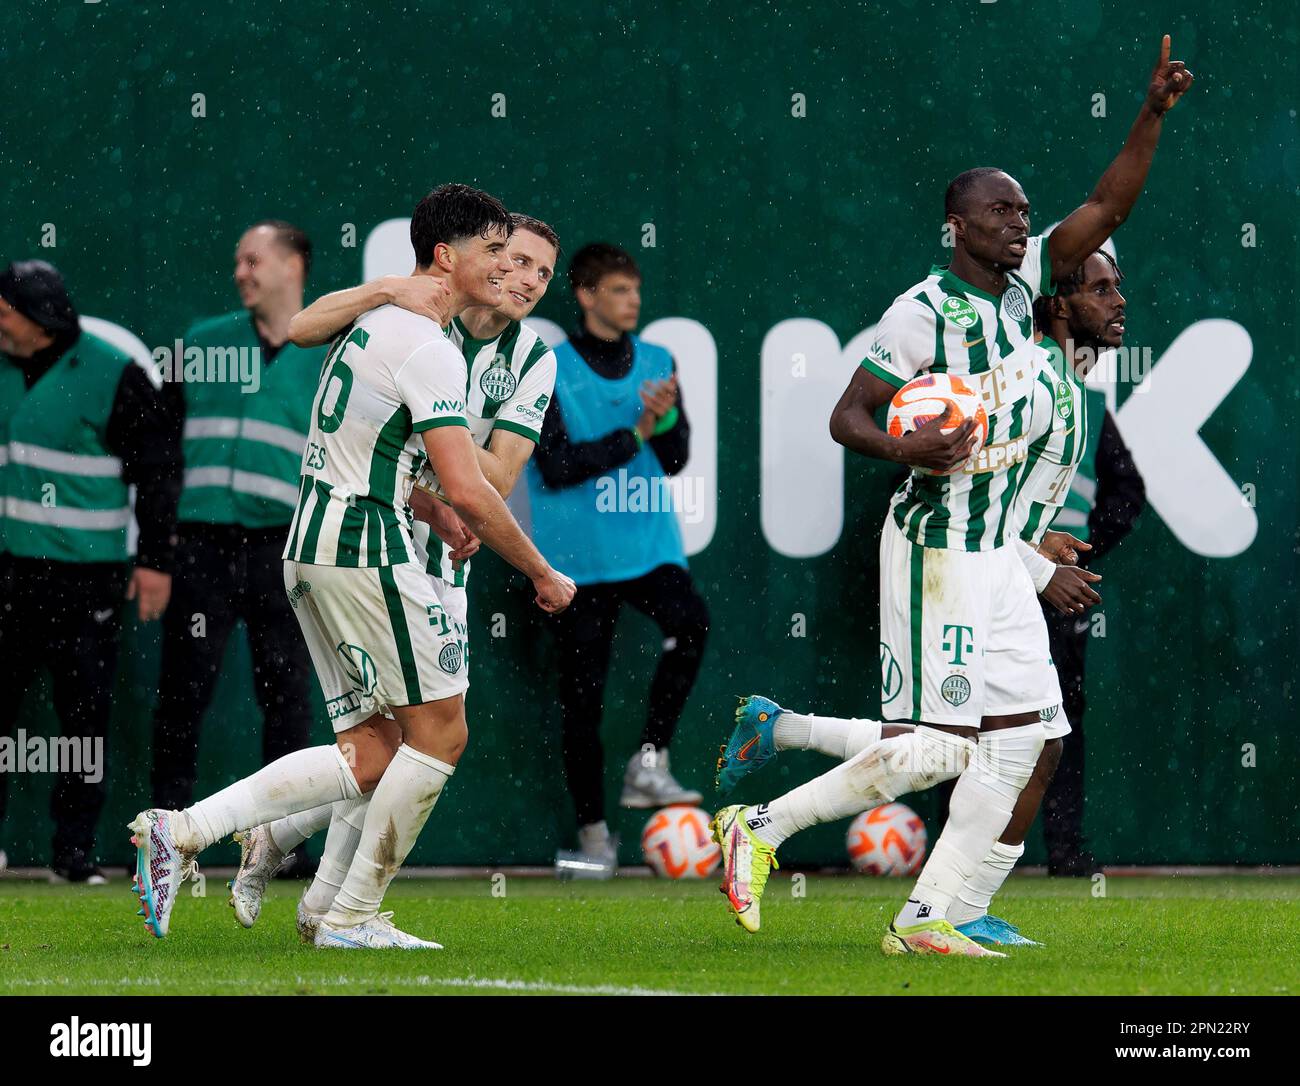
(1036, 268)
(431, 382)
(903, 345)
(525, 411)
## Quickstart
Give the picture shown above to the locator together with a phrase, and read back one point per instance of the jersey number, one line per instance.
(337, 386)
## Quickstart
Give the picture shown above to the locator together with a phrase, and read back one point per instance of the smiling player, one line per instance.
(391, 399)
(511, 381)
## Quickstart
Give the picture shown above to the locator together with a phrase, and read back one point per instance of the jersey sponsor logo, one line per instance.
(448, 405)
(342, 706)
(997, 457)
(358, 666)
(968, 343)
(955, 690)
(528, 412)
(891, 675)
(542, 401)
(497, 382)
(879, 354)
(298, 591)
(1013, 301)
(1048, 714)
(959, 311)
(449, 659)
(1064, 401)
(958, 640)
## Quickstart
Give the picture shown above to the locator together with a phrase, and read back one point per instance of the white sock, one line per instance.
(297, 782)
(979, 810)
(839, 737)
(398, 810)
(973, 899)
(892, 767)
(347, 819)
(291, 831)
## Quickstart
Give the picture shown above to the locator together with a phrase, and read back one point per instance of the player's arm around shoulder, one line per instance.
(328, 315)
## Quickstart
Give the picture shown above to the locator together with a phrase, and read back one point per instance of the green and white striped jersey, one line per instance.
(1058, 437)
(389, 378)
(945, 325)
(511, 382)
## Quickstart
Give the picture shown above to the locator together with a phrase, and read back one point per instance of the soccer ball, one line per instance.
(924, 398)
(678, 845)
(888, 840)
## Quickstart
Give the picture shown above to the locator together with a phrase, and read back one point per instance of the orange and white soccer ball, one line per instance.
(924, 398)
(888, 840)
(678, 845)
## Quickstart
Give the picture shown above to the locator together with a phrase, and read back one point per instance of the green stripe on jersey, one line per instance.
(401, 635)
(917, 595)
(309, 541)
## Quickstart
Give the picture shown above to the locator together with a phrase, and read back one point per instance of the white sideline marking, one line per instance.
(504, 984)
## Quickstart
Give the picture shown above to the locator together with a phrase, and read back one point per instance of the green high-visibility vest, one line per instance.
(1077, 507)
(246, 423)
(64, 497)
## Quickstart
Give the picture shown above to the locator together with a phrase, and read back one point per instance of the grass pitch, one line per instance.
(1212, 936)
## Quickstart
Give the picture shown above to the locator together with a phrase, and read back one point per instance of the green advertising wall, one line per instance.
(684, 117)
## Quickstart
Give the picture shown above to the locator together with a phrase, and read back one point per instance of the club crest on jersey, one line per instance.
(358, 666)
(1013, 301)
(449, 658)
(1048, 714)
(1064, 401)
(497, 382)
(959, 311)
(955, 690)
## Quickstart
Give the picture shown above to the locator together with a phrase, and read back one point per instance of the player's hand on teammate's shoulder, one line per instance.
(1170, 80)
(1062, 548)
(423, 294)
(929, 447)
(1070, 591)
(555, 591)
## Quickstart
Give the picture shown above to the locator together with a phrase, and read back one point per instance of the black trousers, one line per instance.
(1068, 636)
(584, 633)
(225, 573)
(66, 617)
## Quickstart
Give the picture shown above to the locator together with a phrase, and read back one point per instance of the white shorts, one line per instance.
(379, 636)
(962, 635)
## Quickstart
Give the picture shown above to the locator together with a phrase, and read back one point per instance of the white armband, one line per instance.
(1041, 570)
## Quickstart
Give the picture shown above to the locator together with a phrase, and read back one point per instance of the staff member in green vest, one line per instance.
(247, 394)
(80, 422)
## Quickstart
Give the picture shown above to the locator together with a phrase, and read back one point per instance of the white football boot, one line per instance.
(377, 933)
(259, 859)
(160, 867)
(308, 921)
(648, 783)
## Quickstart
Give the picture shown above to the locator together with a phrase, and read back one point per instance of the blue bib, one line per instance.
(620, 525)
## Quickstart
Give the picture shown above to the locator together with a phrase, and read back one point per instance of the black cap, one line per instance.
(36, 290)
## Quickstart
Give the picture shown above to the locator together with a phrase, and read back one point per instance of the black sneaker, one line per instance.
(78, 871)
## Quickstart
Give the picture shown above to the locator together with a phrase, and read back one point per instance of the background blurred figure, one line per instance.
(614, 431)
(80, 423)
(245, 428)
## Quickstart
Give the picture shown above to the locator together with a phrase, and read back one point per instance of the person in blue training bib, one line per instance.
(615, 431)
